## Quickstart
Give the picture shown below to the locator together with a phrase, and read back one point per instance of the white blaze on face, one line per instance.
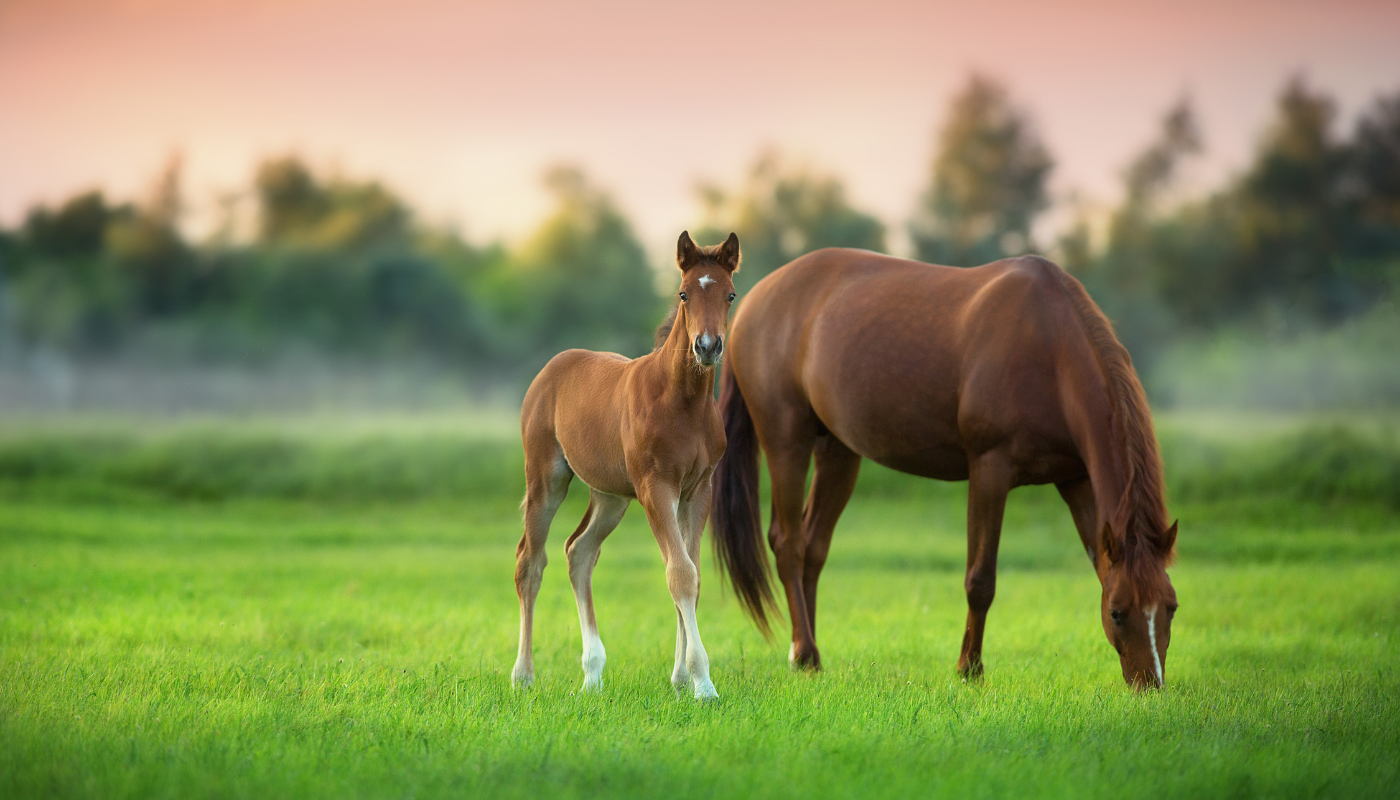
(706, 280)
(1152, 637)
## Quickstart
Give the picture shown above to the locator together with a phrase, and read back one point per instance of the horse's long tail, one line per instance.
(734, 518)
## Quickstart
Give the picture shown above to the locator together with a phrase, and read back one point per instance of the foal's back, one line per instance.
(578, 400)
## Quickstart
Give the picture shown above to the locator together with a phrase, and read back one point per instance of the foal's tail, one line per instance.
(734, 519)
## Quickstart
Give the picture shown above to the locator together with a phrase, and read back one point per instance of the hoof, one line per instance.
(705, 691)
(592, 685)
(680, 681)
(971, 672)
(804, 660)
(521, 679)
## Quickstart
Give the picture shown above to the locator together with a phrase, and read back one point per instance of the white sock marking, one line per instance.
(1152, 637)
(706, 280)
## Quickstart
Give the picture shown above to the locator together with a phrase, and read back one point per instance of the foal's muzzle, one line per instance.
(708, 349)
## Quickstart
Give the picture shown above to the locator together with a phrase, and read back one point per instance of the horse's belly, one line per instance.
(597, 462)
(939, 463)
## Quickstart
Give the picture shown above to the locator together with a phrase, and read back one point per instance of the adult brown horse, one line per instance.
(1002, 375)
(646, 428)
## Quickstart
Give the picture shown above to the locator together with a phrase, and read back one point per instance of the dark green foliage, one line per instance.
(582, 280)
(988, 183)
(337, 266)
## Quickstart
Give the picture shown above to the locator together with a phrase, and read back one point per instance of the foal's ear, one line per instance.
(687, 254)
(1110, 545)
(728, 254)
(1169, 539)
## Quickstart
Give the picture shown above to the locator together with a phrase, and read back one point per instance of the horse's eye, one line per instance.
(731, 297)
(1171, 609)
(1119, 616)
(683, 297)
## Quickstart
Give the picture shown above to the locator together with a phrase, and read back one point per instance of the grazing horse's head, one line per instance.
(706, 294)
(1138, 603)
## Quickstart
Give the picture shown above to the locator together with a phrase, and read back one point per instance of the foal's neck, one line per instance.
(685, 377)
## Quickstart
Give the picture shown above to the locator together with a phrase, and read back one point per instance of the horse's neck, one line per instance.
(677, 367)
(1106, 461)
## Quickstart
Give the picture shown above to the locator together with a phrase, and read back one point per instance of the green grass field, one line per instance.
(325, 609)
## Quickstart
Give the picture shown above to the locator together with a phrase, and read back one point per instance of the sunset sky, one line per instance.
(460, 106)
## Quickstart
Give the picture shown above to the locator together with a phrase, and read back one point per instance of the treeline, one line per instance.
(335, 265)
(1306, 235)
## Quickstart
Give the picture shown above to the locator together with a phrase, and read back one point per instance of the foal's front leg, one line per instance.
(691, 515)
(683, 578)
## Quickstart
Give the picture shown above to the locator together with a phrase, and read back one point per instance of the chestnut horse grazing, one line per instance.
(1002, 375)
(646, 428)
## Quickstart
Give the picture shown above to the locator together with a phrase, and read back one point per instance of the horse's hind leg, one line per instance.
(788, 459)
(833, 480)
(989, 481)
(604, 512)
(547, 477)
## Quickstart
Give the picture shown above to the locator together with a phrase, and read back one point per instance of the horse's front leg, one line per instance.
(662, 504)
(691, 515)
(988, 483)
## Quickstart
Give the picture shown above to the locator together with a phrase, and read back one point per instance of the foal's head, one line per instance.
(1138, 603)
(706, 294)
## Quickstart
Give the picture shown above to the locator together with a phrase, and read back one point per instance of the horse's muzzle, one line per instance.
(708, 349)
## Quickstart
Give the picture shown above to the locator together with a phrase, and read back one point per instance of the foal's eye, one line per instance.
(683, 297)
(731, 297)
(1119, 616)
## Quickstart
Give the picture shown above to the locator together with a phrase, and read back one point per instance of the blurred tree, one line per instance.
(297, 208)
(1142, 257)
(1290, 232)
(581, 280)
(149, 250)
(1373, 179)
(58, 279)
(988, 181)
(781, 212)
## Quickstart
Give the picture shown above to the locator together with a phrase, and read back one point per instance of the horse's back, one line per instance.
(576, 401)
(912, 365)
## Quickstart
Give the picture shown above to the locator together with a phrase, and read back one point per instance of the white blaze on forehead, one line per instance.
(706, 280)
(1152, 637)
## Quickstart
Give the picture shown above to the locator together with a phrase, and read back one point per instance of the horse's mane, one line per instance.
(664, 329)
(1140, 521)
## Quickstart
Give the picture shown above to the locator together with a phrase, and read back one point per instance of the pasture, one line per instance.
(324, 608)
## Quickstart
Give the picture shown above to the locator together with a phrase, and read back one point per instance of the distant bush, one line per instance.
(210, 464)
(1326, 464)
(1320, 463)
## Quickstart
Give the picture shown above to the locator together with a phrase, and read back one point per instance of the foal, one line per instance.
(647, 428)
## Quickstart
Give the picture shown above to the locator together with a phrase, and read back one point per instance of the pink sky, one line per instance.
(460, 106)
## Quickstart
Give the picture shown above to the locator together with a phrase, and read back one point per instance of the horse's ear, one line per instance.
(687, 254)
(729, 255)
(1110, 545)
(1169, 539)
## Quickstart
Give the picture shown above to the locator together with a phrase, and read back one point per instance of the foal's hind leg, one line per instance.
(604, 512)
(547, 477)
(989, 481)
